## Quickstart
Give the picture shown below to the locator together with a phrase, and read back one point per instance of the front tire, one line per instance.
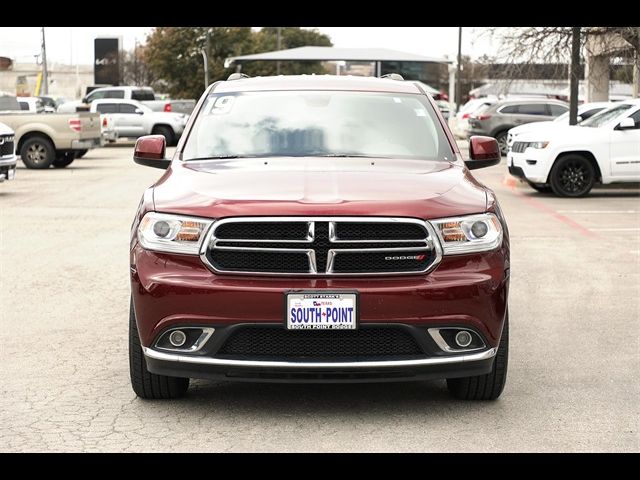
(489, 386)
(37, 152)
(146, 384)
(572, 176)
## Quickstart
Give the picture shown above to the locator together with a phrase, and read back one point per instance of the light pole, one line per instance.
(45, 72)
(205, 59)
(278, 46)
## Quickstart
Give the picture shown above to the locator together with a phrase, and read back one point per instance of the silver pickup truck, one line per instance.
(45, 139)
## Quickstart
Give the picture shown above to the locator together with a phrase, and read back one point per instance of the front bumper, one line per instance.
(472, 364)
(8, 168)
(86, 144)
(532, 164)
(467, 291)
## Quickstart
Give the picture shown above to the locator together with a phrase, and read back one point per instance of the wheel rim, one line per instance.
(502, 143)
(574, 177)
(36, 153)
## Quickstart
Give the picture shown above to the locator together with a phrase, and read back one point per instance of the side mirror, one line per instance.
(150, 151)
(138, 111)
(84, 100)
(483, 152)
(626, 124)
(578, 119)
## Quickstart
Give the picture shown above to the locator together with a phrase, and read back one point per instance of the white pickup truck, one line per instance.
(144, 95)
(7, 157)
(45, 139)
(132, 119)
(569, 160)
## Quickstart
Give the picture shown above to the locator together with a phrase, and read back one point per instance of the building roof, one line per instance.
(322, 54)
(317, 82)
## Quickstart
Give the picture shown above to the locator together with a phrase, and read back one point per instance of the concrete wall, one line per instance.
(63, 79)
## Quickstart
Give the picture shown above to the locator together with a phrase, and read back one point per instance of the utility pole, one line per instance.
(574, 78)
(459, 69)
(636, 68)
(278, 46)
(45, 72)
(135, 62)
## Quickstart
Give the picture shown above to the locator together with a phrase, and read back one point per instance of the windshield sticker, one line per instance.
(223, 105)
(420, 112)
(397, 100)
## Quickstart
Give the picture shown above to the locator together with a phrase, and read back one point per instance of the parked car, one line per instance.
(132, 119)
(49, 139)
(7, 153)
(108, 133)
(145, 95)
(50, 104)
(31, 104)
(585, 111)
(459, 123)
(319, 229)
(569, 160)
(497, 119)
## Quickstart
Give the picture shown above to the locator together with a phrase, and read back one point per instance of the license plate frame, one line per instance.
(344, 297)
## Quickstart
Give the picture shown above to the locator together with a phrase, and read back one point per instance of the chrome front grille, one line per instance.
(321, 246)
(519, 147)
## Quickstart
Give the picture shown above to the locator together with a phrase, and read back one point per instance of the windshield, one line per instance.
(317, 123)
(605, 116)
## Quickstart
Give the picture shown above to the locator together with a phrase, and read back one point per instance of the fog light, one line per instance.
(161, 229)
(178, 337)
(479, 229)
(463, 338)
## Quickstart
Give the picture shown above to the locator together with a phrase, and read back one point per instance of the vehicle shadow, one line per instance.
(319, 399)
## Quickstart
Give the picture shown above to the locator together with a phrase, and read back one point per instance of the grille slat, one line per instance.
(321, 246)
(276, 342)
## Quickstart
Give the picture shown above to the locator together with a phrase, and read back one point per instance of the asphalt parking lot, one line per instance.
(574, 377)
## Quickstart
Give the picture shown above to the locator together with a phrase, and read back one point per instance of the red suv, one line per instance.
(318, 229)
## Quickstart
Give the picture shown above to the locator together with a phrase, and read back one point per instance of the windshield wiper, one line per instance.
(347, 155)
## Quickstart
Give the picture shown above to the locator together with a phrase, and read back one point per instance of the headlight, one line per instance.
(473, 233)
(172, 233)
(538, 145)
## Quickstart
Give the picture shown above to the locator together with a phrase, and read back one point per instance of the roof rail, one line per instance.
(237, 76)
(393, 76)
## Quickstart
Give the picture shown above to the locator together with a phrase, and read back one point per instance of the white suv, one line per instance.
(569, 160)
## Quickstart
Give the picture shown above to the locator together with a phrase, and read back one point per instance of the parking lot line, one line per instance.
(630, 229)
(598, 211)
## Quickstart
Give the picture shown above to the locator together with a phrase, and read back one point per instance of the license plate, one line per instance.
(322, 310)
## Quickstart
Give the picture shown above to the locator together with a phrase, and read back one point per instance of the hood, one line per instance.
(319, 186)
(565, 134)
(530, 127)
(5, 130)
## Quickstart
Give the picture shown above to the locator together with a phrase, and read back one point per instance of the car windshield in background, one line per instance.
(317, 123)
(606, 116)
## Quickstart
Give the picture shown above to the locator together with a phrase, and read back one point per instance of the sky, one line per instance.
(74, 45)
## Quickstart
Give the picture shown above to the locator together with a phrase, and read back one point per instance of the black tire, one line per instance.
(166, 132)
(489, 386)
(501, 138)
(145, 384)
(64, 159)
(81, 153)
(37, 152)
(540, 187)
(572, 176)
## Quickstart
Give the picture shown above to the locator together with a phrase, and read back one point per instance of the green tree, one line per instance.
(266, 40)
(174, 55)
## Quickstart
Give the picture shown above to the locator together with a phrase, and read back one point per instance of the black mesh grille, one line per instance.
(364, 262)
(6, 149)
(263, 230)
(239, 261)
(379, 231)
(276, 342)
